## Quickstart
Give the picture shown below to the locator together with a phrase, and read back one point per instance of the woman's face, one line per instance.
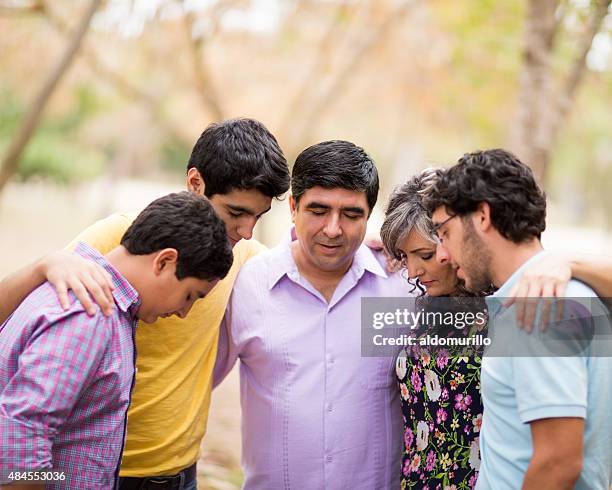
(420, 262)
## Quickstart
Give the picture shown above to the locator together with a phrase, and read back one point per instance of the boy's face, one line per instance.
(240, 210)
(165, 295)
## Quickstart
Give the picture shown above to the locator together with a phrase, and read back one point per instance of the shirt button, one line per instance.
(330, 408)
(328, 459)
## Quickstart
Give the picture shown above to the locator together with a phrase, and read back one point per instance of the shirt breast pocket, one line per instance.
(377, 373)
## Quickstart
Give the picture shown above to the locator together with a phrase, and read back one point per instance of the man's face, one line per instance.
(330, 225)
(240, 210)
(169, 296)
(463, 248)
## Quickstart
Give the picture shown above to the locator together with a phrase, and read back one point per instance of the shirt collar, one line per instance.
(365, 260)
(284, 263)
(496, 300)
(124, 293)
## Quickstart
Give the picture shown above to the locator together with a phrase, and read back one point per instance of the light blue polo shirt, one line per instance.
(519, 390)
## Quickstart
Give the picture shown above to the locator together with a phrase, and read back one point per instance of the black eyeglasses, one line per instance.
(437, 227)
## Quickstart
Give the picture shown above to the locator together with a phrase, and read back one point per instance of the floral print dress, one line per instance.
(442, 411)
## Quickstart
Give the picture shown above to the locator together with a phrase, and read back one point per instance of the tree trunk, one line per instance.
(535, 85)
(124, 87)
(32, 118)
(541, 109)
(203, 78)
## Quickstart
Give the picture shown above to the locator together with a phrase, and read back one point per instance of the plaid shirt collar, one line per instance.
(126, 297)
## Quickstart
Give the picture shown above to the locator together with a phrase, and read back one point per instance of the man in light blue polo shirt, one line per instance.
(547, 420)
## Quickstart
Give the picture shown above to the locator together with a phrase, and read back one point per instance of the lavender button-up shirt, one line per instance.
(65, 383)
(315, 414)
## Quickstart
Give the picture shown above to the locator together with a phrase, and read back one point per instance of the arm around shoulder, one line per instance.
(64, 271)
(594, 270)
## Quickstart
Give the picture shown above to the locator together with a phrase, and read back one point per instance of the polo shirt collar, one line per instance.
(496, 300)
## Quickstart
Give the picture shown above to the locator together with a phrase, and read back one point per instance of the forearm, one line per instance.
(550, 474)
(596, 271)
(15, 287)
(556, 462)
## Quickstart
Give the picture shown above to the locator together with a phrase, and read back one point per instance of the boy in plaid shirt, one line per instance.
(66, 377)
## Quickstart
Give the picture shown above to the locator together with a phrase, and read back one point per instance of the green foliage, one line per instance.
(582, 166)
(60, 161)
(53, 152)
(486, 41)
(11, 112)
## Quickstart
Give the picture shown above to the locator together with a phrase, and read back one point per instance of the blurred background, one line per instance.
(102, 101)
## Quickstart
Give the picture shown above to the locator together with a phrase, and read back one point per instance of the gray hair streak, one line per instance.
(406, 212)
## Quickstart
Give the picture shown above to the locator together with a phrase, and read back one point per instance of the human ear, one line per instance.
(195, 182)
(482, 216)
(292, 207)
(165, 260)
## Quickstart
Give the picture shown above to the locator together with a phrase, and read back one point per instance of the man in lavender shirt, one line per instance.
(315, 413)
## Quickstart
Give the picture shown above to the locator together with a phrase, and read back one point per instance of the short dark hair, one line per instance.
(332, 164)
(240, 154)
(189, 224)
(497, 177)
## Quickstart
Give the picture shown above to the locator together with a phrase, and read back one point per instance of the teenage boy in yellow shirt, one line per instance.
(240, 167)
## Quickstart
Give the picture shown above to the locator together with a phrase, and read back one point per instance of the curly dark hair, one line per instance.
(240, 154)
(497, 177)
(189, 224)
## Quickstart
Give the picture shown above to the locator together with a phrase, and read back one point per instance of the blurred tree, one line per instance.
(203, 78)
(317, 98)
(414, 82)
(32, 118)
(542, 105)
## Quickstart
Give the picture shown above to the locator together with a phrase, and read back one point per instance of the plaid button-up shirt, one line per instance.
(65, 386)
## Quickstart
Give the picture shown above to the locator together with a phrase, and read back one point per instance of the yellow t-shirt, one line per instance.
(175, 359)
